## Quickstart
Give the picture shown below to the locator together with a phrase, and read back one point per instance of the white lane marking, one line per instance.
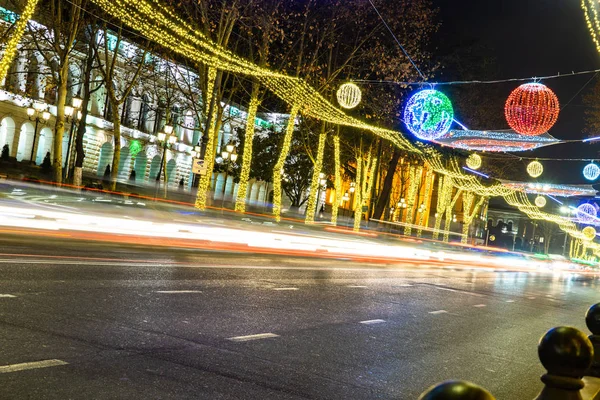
(7, 295)
(178, 291)
(403, 285)
(285, 288)
(531, 298)
(438, 312)
(253, 337)
(357, 286)
(479, 305)
(372, 321)
(31, 365)
(510, 301)
(443, 288)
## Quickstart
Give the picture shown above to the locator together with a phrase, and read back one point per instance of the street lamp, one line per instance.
(229, 155)
(39, 116)
(72, 114)
(167, 138)
(322, 184)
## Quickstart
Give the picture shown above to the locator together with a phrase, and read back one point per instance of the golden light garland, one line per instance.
(414, 177)
(358, 194)
(209, 156)
(240, 202)
(313, 199)
(11, 46)
(278, 170)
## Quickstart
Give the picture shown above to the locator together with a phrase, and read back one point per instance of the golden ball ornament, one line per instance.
(474, 161)
(349, 95)
(535, 169)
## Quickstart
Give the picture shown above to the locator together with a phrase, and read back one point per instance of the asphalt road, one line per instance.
(104, 321)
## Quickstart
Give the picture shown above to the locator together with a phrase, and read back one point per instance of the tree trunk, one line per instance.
(240, 201)
(316, 181)
(384, 195)
(59, 127)
(114, 172)
(338, 178)
(285, 150)
(81, 127)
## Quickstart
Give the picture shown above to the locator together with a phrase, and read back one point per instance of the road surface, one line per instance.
(82, 320)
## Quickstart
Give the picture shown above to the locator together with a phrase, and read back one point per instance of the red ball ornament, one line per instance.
(531, 109)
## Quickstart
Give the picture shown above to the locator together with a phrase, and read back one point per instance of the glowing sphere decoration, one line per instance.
(589, 232)
(428, 114)
(540, 201)
(349, 95)
(586, 213)
(474, 161)
(591, 172)
(531, 109)
(535, 169)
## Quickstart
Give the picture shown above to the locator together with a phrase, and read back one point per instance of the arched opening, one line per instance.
(97, 100)
(73, 82)
(45, 145)
(25, 142)
(126, 115)
(176, 120)
(32, 88)
(139, 165)
(7, 132)
(124, 164)
(188, 133)
(172, 171)
(154, 168)
(105, 158)
(159, 117)
(144, 111)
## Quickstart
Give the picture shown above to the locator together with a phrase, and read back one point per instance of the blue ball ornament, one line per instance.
(428, 114)
(591, 172)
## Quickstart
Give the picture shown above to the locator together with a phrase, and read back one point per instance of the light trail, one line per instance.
(86, 226)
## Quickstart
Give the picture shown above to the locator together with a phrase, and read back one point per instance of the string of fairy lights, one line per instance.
(531, 109)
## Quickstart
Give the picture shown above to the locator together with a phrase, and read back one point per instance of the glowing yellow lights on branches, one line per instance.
(535, 169)
(589, 232)
(540, 201)
(15, 38)
(474, 161)
(348, 95)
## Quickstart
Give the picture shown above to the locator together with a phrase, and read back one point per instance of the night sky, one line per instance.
(529, 38)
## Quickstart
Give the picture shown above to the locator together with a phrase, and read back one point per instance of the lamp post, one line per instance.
(39, 116)
(345, 198)
(322, 183)
(166, 138)
(229, 155)
(73, 114)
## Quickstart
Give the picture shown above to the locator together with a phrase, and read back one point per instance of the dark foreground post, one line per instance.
(456, 390)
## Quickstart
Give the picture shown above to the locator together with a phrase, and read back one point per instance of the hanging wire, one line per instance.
(397, 41)
(483, 82)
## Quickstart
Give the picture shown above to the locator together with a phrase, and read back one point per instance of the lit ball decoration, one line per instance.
(349, 95)
(535, 169)
(586, 213)
(540, 201)
(474, 161)
(531, 109)
(428, 114)
(589, 232)
(591, 172)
